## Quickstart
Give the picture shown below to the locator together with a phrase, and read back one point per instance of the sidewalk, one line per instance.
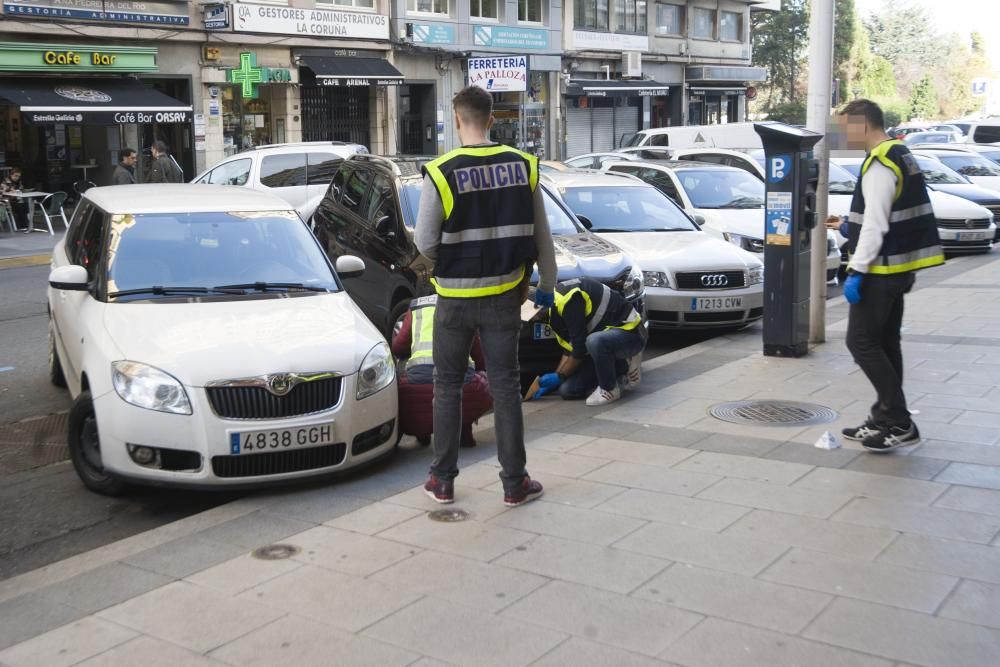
(18, 249)
(665, 536)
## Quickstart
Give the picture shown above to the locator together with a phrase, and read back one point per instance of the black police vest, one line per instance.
(488, 233)
(604, 309)
(912, 242)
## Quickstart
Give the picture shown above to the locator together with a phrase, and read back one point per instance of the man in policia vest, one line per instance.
(482, 220)
(892, 234)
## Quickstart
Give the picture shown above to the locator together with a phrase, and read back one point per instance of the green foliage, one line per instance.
(896, 111)
(880, 79)
(845, 35)
(779, 42)
(793, 113)
(923, 102)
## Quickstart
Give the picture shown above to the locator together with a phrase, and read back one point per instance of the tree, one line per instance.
(880, 79)
(903, 34)
(923, 100)
(779, 41)
(845, 33)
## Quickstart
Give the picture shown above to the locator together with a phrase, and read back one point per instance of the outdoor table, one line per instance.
(29, 197)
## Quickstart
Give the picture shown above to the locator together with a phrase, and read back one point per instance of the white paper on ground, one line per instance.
(827, 441)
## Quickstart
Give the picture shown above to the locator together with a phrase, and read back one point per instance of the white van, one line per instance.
(983, 131)
(726, 135)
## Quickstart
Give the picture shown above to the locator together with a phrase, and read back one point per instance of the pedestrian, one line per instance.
(164, 168)
(413, 345)
(892, 234)
(9, 187)
(482, 220)
(603, 337)
(124, 173)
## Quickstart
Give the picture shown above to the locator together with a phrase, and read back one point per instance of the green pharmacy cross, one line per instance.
(248, 75)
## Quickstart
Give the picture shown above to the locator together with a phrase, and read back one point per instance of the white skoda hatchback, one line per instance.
(207, 340)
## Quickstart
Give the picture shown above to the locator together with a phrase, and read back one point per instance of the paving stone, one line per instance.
(735, 597)
(348, 552)
(315, 504)
(601, 567)
(572, 492)
(946, 388)
(582, 653)
(961, 451)
(149, 652)
(167, 613)
(103, 587)
(374, 518)
(565, 465)
(560, 442)
(256, 529)
(977, 435)
(719, 643)
(652, 478)
(473, 637)
(599, 428)
(305, 643)
(702, 547)
(911, 518)
(819, 504)
(571, 523)
(242, 573)
(67, 645)
(971, 474)
(478, 476)
(959, 559)
(744, 467)
(655, 434)
(668, 508)
(184, 556)
(634, 452)
(973, 418)
(972, 602)
(867, 484)
(911, 466)
(470, 538)
(850, 577)
(795, 452)
(961, 402)
(846, 539)
(30, 615)
(984, 501)
(609, 618)
(905, 635)
(330, 597)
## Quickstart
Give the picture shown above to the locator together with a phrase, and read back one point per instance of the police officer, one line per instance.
(482, 220)
(603, 337)
(891, 235)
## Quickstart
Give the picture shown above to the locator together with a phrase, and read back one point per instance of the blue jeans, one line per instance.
(608, 351)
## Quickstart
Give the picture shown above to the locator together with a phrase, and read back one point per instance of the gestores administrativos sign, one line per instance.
(277, 20)
(501, 74)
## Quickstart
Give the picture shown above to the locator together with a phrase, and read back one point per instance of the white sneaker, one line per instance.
(634, 374)
(601, 397)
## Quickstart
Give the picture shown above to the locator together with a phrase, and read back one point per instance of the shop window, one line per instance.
(703, 23)
(483, 9)
(630, 16)
(669, 19)
(591, 14)
(361, 4)
(427, 6)
(322, 167)
(530, 11)
(354, 191)
(283, 170)
(236, 172)
(731, 27)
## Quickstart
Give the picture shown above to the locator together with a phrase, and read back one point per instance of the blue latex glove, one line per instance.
(545, 300)
(852, 288)
(845, 229)
(546, 383)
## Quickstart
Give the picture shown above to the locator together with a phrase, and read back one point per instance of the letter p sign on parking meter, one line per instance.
(778, 167)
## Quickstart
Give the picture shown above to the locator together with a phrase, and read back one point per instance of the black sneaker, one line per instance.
(859, 433)
(893, 437)
(440, 491)
(528, 490)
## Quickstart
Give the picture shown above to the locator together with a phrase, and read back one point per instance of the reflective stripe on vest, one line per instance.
(422, 333)
(593, 317)
(478, 287)
(909, 261)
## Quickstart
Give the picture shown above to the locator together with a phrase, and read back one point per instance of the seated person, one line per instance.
(9, 186)
(603, 338)
(413, 345)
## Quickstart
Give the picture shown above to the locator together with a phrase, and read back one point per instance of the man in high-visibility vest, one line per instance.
(892, 233)
(482, 220)
(603, 337)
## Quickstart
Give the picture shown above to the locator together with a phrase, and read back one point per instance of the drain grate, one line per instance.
(773, 413)
(275, 551)
(448, 516)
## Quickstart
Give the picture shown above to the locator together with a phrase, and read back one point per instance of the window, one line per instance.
(337, 186)
(630, 16)
(703, 23)
(633, 208)
(89, 244)
(283, 170)
(354, 192)
(591, 14)
(484, 9)
(655, 177)
(669, 19)
(731, 27)
(322, 167)
(362, 4)
(381, 203)
(427, 6)
(529, 11)
(236, 172)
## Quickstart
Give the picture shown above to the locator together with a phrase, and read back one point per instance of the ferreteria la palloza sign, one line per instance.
(499, 74)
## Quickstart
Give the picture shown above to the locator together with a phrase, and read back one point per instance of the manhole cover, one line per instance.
(773, 413)
(275, 551)
(449, 516)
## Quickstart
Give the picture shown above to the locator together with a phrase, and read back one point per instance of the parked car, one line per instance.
(595, 160)
(370, 211)
(298, 173)
(693, 281)
(985, 131)
(932, 137)
(901, 131)
(988, 151)
(207, 340)
(722, 135)
(973, 166)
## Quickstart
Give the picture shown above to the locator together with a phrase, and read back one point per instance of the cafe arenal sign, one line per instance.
(25, 57)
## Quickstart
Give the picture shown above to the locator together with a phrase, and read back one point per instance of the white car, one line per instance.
(980, 170)
(298, 173)
(595, 160)
(206, 340)
(692, 280)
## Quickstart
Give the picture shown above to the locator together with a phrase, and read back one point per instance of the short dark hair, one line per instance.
(473, 105)
(861, 107)
(161, 146)
(125, 153)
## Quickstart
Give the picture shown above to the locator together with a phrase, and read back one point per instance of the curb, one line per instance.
(25, 260)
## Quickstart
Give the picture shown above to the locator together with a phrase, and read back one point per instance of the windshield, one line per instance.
(971, 165)
(842, 182)
(559, 220)
(202, 251)
(627, 209)
(634, 140)
(936, 173)
(991, 155)
(928, 138)
(722, 188)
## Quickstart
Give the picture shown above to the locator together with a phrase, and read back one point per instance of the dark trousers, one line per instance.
(498, 321)
(609, 352)
(873, 337)
(20, 209)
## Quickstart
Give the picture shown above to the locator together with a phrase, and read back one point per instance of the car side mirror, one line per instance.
(349, 266)
(585, 221)
(699, 219)
(384, 228)
(72, 278)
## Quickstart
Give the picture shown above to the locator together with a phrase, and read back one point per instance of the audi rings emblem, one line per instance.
(714, 280)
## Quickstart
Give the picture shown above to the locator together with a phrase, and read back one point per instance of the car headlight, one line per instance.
(755, 276)
(655, 279)
(748, 243)
(377, 371)
(150, 388)
(633, 283)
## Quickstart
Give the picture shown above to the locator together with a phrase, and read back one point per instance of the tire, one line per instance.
(396, 316)
(85, 448)
(56, 376)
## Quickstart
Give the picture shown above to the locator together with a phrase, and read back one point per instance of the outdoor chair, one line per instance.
(7, 215)
(52, 207)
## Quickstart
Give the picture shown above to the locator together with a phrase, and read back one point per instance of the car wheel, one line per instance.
(56, 376)
(85, 448)
(396, 316)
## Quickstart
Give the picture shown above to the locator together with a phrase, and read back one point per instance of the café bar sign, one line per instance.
(159, 12)
(23, 57)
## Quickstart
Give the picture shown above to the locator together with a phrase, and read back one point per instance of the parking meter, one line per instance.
(790, 215)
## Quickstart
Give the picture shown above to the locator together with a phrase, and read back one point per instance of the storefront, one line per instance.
(717, 94)
(599, 113)
(520, 101)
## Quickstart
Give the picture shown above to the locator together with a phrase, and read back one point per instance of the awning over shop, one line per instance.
(713, 90)
(615, 88)
(341, 71)
(97, 101)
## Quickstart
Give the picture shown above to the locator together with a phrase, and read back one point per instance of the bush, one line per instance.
(793, 113)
